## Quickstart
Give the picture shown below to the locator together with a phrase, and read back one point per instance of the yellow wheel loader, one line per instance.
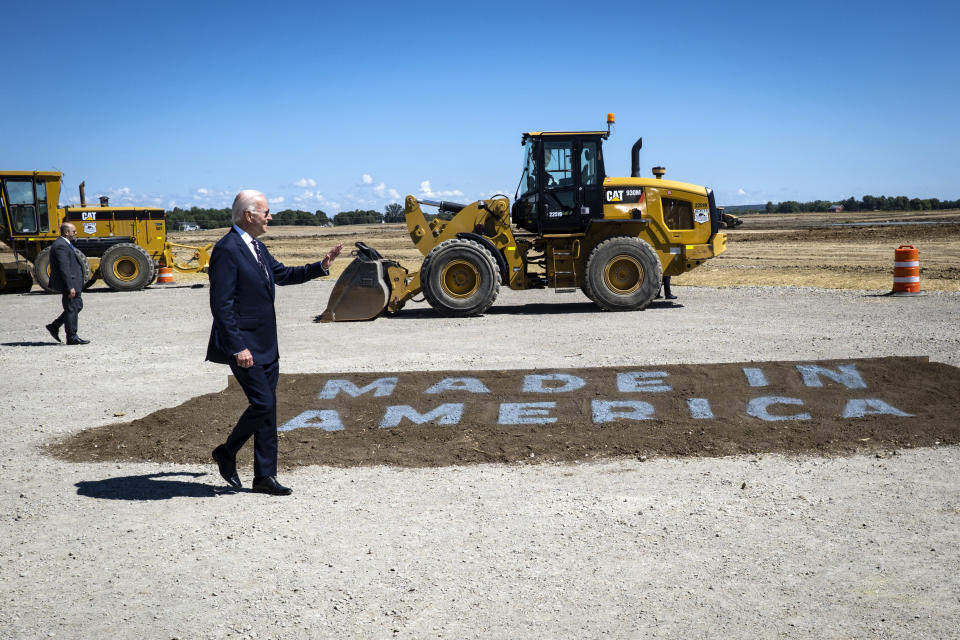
(570, 227)
(124, 246)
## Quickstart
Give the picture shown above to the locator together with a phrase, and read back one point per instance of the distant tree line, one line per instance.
(358, 216)
(216, 218)
(867, 203)
(393, 212)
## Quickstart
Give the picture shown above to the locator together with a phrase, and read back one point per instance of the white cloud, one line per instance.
(316, 198)
(203, 197)
(277, 200)
(122, 196)
(372, 195)
(427, 191)
(741, 192)
(303, 183)
(307, 196)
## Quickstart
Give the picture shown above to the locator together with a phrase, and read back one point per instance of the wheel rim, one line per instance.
(126, 269)
(459, 279)
(623, 275)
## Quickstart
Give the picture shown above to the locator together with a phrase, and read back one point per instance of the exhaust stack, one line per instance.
(635, 158)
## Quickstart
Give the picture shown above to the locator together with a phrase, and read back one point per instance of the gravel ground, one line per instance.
(761, 546)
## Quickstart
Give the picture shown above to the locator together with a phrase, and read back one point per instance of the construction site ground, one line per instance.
(673, 527)
(825, 250)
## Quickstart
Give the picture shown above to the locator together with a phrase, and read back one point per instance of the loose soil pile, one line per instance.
(571, 414)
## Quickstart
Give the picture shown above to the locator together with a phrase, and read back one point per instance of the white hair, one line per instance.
(245, 201)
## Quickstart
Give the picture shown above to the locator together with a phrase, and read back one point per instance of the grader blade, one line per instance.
(361, 291)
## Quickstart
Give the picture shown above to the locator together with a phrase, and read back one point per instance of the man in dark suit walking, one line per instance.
(244, 334)
(66, 276)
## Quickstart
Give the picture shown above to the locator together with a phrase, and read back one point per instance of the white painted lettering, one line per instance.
(758, 408)
(610, 410)
(526, 413)
(535, 383)
(871, 407)
(326, 419)
(846, 375)
(459, 384)
(444, 414)
(755, 377)
(381, 387)
(632, 381)
(700, 408)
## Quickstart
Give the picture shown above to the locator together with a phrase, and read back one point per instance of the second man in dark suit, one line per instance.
(66, 276)
(244, 334)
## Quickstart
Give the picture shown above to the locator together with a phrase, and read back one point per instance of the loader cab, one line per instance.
(561, 183)
(24, 202)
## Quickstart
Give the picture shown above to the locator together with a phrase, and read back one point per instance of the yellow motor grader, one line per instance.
(122, 245)
(571, 226)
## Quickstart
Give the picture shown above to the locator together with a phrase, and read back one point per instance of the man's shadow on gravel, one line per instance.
(49, 343)
(152, 486)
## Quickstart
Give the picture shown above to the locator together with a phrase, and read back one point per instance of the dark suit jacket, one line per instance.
(241, 300)
(66, 271)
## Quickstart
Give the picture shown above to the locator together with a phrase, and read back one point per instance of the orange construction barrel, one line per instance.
(165, 275)
(906, 271)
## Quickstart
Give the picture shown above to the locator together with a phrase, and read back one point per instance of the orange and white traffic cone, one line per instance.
(906, 271)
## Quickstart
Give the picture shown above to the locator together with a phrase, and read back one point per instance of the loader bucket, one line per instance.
(362, 291)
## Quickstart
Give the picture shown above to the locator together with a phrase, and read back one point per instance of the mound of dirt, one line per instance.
(464, 417)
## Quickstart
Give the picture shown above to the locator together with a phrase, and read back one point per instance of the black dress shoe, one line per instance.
(670, 296)
(271, 486)
(228, 466)
(77, 340)
(54, 331)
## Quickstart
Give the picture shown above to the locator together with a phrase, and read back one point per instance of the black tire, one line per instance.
(19, 281)
(156, 273)
(460, 278)
(41, 269)
(623, 274)
(127, 267)
(93, 278)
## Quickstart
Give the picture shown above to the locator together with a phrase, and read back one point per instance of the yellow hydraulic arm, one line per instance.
(199, 261)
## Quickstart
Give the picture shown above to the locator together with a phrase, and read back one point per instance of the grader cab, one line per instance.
(570, 227)
(122, 245)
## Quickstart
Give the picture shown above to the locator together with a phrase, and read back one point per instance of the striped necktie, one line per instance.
(263, 266)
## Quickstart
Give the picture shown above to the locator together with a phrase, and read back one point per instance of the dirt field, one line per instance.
(858, 538)
(802, 250)
(571, 415)
(831, 251)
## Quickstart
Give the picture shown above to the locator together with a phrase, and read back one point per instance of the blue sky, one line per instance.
(357, 105)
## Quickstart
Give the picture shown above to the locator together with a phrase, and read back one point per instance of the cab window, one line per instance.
(588, 164)
(557, 164)
(529, 179)
(42, 216)
(677, 214)
(22, 205)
